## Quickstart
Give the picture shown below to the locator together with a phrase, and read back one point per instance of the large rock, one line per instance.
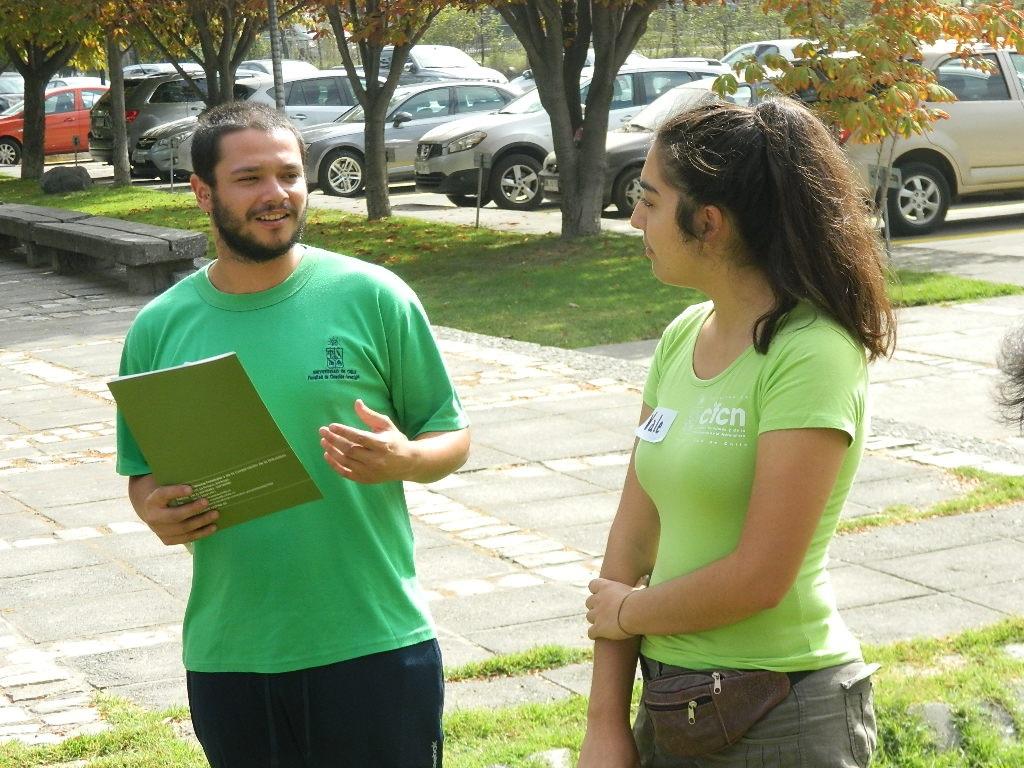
(65, 179)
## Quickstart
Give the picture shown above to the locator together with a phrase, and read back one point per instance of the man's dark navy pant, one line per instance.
(377, 711)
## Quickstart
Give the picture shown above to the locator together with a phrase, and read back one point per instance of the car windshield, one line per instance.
(444, 57)
(529, 102)
(651, 116)
(11, 85)
(355, 115)
(14, 109)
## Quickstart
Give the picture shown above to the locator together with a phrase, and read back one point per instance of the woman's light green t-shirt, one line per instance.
(700, 475)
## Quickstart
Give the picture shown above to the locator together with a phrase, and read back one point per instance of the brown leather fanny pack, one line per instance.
(697, 713)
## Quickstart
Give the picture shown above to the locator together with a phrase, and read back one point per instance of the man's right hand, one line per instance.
(609, 748)
(173, 525)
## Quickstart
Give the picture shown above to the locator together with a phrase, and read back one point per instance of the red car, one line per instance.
(67, 119)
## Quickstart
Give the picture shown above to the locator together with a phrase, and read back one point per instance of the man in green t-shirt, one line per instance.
(307, 639)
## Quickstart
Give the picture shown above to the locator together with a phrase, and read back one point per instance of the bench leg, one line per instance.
(42, 256)
(67, 263)
(155, 278)
(8, 244)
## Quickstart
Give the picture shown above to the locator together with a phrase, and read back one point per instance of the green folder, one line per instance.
(203, 424)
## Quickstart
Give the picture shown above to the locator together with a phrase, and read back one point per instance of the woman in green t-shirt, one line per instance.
(751, 431)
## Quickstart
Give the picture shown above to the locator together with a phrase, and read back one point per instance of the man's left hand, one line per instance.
(377, 455)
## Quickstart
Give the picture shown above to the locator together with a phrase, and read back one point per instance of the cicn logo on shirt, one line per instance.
(722, 421)
(334, 364)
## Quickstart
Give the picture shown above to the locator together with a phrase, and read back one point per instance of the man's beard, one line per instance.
(231, 230)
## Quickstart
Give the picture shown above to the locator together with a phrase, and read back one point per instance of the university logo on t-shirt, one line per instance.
(720, 421)
(334, 364)
(335, 353)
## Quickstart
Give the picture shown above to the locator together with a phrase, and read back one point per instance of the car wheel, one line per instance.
(921, 202)
(468, 201)
(10, 152)
(341, 173)
(515, 183)
(627, 191)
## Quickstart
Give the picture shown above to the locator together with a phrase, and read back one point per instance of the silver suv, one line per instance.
(972, 152)
(518, 138)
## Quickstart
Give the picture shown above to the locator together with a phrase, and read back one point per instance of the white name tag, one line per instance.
(657, 425)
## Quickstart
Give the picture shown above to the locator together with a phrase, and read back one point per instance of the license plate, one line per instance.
(550, 185)
(101, 122)
(422, 167)
(139, 157)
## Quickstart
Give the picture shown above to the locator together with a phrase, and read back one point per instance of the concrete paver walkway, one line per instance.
(90, 600)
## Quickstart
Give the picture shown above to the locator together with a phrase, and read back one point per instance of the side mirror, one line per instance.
(411, 66)
(401, 117)
(528, 74)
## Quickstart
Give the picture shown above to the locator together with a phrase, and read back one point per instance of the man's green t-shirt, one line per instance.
(332, 579)
(700, 476)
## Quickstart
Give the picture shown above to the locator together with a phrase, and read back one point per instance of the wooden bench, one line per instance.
(70, 242)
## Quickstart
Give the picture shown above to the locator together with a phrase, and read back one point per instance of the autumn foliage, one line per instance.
(867, 78)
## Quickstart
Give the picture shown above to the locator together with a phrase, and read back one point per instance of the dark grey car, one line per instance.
(168, 93)
(626, 147)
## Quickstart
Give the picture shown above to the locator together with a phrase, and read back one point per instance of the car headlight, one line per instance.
(162, 144)
(463, 143)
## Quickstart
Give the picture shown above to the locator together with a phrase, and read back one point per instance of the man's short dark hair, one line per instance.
(228, 118)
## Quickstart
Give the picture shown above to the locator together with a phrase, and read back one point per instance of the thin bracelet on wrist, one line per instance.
(618, 615)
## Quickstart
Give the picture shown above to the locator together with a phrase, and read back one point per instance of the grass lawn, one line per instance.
(970, 673)
(527, 287)
(984, 491)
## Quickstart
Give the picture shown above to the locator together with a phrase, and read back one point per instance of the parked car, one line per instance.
(67, 123)
(12, 89)
(761, 48)
(159, 68)
(428, 63)
(318, 98)
(525, 82)
(148, 101)
(153, 101)
(335, 152)
(626, 147)
(518, 138)
(978, 150)
(70, 81)
(290, 68)
(157, 150)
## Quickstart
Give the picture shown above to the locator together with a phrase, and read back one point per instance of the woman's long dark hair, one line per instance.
(1011, 362)
(798, 205)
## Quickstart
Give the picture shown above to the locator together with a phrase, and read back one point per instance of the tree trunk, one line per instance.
(122, 170)
(36, 68)
(375, 167)
(581, 209)
(32, 156)
(374, 98)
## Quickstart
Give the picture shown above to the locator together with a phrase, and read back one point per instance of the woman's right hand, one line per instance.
(611, 747)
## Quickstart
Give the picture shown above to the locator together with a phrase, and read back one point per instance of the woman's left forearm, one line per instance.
(721, 593)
